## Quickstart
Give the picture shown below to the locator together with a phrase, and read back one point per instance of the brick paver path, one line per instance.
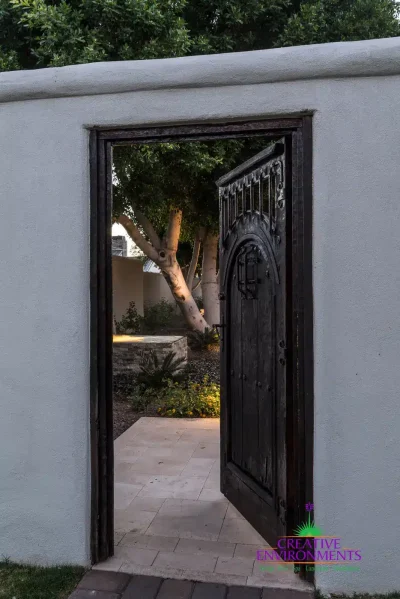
(98, 584)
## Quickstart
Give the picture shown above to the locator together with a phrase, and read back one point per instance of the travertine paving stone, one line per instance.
(171, 520)
(150, 542)
(213, 548)
(179, 561)
(235, 565)
(136, 555)
(249, 551)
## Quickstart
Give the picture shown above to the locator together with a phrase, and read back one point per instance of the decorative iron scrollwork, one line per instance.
(260, 192)
(247, 271)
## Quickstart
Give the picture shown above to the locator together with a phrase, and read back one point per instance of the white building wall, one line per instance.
(156, 288)
(127, 281)
(44, 302)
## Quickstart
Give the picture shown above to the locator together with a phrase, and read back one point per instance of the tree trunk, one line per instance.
(209, 279)
(193, 262)
(163, 253)
(179, 289)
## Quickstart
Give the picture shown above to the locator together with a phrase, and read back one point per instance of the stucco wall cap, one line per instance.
(342, 59)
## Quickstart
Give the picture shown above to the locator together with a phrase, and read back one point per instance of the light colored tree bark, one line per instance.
(209, 279)
(163, 253)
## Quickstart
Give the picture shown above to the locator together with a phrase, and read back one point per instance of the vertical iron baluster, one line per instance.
(226, 200)
(228, 210)
(235, 202)
(274, 178)
(251, 196)
(269, 200)
(223, 217)
(260, 197)
(221, 223)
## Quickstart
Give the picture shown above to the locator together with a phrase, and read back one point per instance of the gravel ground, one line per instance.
(124, 416)
(200, 364)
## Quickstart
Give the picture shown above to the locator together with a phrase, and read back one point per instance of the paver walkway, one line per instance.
(171, 521)
(117, 585)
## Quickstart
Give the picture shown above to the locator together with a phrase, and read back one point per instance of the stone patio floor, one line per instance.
(171, 521)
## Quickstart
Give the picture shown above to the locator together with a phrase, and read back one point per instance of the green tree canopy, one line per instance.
(154, 178)
(322, 21)
(42, 33)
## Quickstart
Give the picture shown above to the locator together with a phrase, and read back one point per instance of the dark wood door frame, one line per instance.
(300, 415)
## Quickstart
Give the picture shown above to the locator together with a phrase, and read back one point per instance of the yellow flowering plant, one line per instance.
(193, 400)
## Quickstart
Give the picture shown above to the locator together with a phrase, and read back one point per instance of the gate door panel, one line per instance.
(253, 209)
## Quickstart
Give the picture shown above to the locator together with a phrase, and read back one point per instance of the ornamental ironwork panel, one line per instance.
(247, 276)
(257, 187)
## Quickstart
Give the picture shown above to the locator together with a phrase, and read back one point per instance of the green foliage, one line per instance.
(155, 320)
(235, 25)
(155, 374)
(198, 340)
(34, 582)
(158, 317)
(41, 33)
(321, 21)
(152, 178)
(130, 323)
(190, 401)
(142, 399)
(62, 32)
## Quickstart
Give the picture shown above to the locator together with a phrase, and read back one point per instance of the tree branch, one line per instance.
(193, 262)
(138, 238)
(174, 229)
(148, 229)
(197, 284)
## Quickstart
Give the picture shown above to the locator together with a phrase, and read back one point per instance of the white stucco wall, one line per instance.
(127, 280)
(44, 324)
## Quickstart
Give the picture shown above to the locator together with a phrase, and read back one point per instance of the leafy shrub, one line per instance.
(190, 401)
(141, 399)
(158, 317)
(207, 340)
(130, 323)
(155, 374)
(124, 383)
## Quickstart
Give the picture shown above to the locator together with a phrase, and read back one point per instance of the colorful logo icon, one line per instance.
(308, 528)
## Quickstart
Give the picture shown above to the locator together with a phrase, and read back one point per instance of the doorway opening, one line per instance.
(265, 328)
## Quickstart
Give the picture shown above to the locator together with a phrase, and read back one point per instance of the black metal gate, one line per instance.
(253, 259)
